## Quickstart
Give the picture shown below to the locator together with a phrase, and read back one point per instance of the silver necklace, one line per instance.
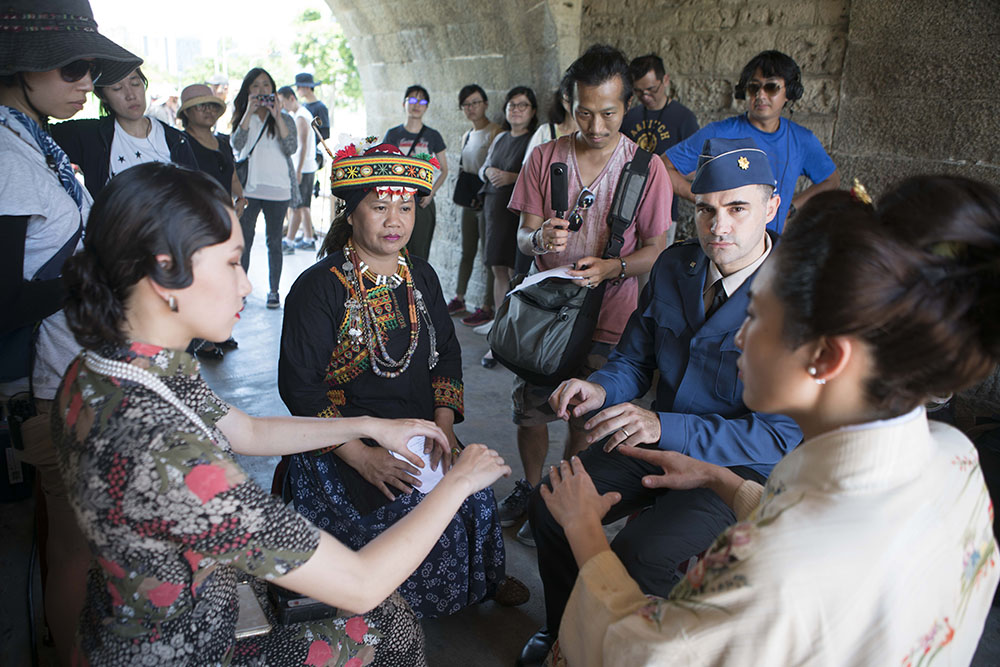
(124, 371)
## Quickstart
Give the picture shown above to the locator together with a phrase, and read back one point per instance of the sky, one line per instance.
(255, 26)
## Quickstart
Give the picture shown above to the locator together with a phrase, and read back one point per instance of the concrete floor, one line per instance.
(484, 635)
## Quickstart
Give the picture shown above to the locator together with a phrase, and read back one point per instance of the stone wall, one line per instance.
(919, 88)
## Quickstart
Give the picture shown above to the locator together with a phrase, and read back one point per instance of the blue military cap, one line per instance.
(725, 164)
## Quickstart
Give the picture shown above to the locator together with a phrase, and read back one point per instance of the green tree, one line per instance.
(322, 47)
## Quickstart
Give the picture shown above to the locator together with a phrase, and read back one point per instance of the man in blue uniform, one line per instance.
(770, 82)
(685, 327)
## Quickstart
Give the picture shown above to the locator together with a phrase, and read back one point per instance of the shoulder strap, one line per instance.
(552, 130)
(465, 142)
(625, 205)
(416, 141)
(262, 130)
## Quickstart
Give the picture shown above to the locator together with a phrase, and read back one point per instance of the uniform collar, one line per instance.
(733, 281)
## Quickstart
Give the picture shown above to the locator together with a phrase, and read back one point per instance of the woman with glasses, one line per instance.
(123, 137)
(476, 142)
(198, 113)
(50, 57)
(499, 172)
(414, 138)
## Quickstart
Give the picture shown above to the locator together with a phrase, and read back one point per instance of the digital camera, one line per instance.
(265, 100)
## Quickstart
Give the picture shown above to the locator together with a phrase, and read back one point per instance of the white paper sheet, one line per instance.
(558, 272)
(428, 478)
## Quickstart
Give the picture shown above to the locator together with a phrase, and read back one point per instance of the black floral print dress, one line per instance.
(173, 521)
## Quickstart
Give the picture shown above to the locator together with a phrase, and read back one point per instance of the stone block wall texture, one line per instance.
(892, 87)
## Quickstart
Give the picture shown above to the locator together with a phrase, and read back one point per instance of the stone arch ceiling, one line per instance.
(443, 44)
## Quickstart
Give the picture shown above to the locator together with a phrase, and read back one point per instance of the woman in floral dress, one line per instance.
(146, 451)
(367, 332)
(872, 541)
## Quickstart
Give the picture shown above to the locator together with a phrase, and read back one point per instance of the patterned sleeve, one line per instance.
(200, 497)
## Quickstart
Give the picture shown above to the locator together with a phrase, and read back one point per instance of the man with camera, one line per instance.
(599, 87)
(769, 82)
(685, 328)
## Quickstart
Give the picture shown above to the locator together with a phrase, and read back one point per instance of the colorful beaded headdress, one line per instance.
(382, 168)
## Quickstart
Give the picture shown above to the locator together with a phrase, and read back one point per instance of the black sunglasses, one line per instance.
(77, 69)
(770, 88)
(583, 202)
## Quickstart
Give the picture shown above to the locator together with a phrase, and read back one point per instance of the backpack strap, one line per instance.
(625, 205)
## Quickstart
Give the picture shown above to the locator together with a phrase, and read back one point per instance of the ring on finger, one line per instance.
(625, 432)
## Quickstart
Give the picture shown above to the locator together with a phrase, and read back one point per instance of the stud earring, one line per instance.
(172, 303)
(812, 371)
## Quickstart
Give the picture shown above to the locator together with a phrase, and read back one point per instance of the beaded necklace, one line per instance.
(363, 321)
(126, 371)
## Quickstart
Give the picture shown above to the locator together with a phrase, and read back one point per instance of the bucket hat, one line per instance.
(305, 80)
(42, 35)
(198, 93)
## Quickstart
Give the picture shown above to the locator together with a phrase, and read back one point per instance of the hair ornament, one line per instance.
(860, 193)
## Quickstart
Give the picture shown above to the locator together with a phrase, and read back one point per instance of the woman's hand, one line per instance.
(252, 106)
(573, 500)
(500, 178)
(479, 466)
(380, 468)
(394, 434)
(590, 271)
(683, 472)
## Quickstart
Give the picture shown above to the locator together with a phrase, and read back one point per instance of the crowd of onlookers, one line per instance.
(788, 500)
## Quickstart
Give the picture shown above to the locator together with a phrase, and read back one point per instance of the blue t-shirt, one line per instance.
(792, 151)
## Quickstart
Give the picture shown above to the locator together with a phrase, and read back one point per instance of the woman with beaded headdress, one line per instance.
(367, 332)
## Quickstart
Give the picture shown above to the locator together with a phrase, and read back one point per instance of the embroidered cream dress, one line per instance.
(870, 545)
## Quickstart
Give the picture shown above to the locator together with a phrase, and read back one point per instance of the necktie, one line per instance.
(718, 300)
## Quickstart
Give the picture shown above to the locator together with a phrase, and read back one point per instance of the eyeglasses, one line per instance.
(584, 201)
(470, 105)
(78, 69)
(770, 88)
(518, 106)
(649, 91)
(207, 106)
(416, 100)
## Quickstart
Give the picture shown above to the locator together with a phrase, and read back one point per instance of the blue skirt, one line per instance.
(464, 567)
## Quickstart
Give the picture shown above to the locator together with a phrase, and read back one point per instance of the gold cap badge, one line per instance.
(744, 163)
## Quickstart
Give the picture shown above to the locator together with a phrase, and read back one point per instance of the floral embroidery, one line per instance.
(930, 644)
(967, 462)
(449, 393)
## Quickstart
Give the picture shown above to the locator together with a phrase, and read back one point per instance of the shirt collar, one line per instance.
(733, 281)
